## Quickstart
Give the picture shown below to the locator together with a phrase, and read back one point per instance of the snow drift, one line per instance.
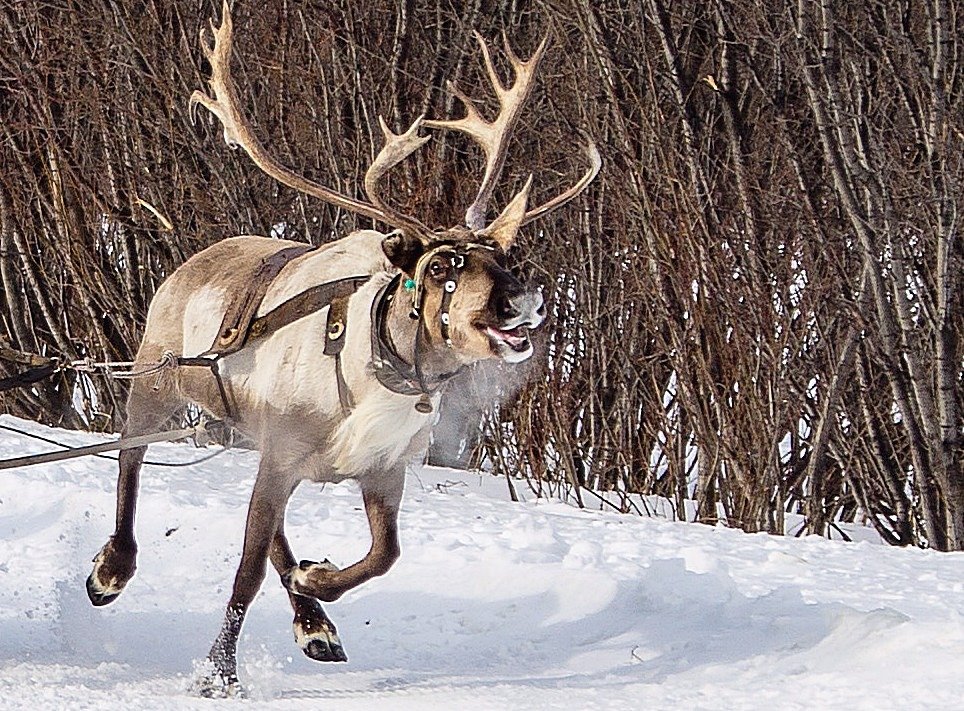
(493, 605)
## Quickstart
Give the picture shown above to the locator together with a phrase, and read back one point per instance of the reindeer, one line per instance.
(399, 313)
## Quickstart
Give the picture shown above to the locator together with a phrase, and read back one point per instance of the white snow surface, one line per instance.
(493, 605)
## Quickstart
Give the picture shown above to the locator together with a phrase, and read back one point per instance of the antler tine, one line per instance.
(218, 54)
(396, 149)
(493, 136)
(595, 163)
(238, 132)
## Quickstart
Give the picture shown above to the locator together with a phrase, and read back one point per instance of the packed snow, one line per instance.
(493, 605)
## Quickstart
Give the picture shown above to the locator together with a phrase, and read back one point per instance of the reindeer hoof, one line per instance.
(323, 651)
(213, 680)
(112, 570)
(319, 641)
(100, 596)
(297, 578)
(215, 686)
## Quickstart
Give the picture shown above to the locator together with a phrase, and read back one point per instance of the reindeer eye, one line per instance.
(436, 269)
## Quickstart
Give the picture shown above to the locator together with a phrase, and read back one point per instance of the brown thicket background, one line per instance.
(757, 306)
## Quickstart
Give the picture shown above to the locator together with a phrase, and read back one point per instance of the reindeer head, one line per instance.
(457, 279)
(467, 298)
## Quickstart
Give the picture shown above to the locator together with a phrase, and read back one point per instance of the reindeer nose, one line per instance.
(506, 306)
(520, 308)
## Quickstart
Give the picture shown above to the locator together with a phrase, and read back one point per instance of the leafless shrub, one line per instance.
(758, 306)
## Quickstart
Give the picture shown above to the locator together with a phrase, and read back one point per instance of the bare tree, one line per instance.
(757, 306)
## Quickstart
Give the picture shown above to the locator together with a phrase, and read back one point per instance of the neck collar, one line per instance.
(390, 368)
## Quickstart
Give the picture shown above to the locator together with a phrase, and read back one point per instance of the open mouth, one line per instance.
(516, 338)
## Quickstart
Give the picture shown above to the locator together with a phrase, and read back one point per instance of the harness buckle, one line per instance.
(424, 404)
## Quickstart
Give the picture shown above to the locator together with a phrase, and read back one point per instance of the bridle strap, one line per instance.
(458, 254)
(448, 289)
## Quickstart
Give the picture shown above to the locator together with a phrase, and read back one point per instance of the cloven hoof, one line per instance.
(214, 685)
(323, 651)
(99, 596)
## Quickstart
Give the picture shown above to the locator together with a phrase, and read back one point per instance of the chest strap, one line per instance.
(332, 293)
(236, 324)
(335, 296)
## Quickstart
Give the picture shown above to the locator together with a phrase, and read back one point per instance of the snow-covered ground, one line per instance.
(493, 605)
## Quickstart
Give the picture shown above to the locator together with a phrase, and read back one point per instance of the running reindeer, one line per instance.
(331, 359)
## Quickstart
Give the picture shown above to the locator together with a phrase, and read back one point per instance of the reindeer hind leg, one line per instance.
(114, 564)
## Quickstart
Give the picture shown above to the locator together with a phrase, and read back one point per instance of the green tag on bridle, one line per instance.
(408, 284)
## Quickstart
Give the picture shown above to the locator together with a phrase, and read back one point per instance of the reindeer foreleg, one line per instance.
(314, 632)
(265, 515)
(326, 582)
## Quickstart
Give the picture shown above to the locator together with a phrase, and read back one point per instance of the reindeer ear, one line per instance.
(403, 250)
(505, 227)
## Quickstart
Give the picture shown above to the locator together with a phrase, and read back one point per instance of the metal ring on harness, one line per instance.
(336, 330)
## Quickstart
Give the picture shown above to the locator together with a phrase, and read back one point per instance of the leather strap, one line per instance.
(26, 377)
(235, 326)
(344, 393)
(308, 302)
(212, 362)
(334, 343)
(333, 295)
(239, 324)
(390, 369)
(448, 289)
(337, 322)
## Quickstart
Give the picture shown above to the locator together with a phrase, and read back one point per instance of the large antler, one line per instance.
(238, 132)
(493, 136)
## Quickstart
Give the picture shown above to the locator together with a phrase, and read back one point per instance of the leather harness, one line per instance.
(393, 371)
(240, 325)
(237, 320)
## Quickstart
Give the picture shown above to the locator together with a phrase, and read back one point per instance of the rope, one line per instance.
(122, 443)
(43, 367)
(168, 361)
(149, 462)
(48, 366)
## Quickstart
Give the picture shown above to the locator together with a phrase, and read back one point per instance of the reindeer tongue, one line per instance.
(515, 337)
